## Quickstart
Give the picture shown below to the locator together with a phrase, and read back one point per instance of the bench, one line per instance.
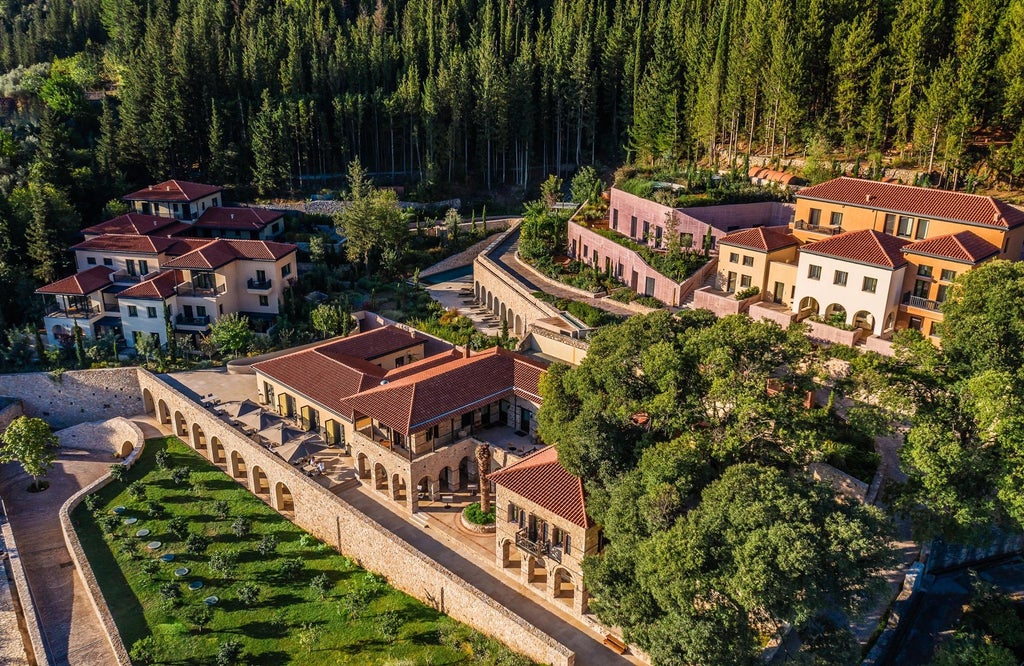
(615, 643)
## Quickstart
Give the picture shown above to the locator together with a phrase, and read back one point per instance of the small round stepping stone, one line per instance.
(211, 600)
(195, 585)
(181, 571)
(119, 509)
(142, 533)
(130, 521)
(169, 557)
(153, 545)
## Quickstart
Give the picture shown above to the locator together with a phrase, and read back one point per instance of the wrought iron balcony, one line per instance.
(182, 320)
(253, 284)
(922, 303)
(75, 312)
(189, 289)
(537, 548)
(827, 230)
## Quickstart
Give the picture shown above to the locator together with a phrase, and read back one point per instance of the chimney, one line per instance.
(869, 197)
(996, 217)
(232, 216)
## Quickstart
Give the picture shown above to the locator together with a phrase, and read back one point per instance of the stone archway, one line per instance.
(147, 401)
(363, 466)
(864, 320)
(217, 451)
(239, 470)
(125, 449)
(501, 315)
(467, 471)
(164, 412)
(890, 320)
(380, 478)
(536, 574)
(198, 437)
(808, 308)
(283, 500)
(399, 492)
(510, 557)
(426, 489)
(260, 482)
(563, 590)
(519, 325)
(490, 300)
(180, 426)
(447, 479)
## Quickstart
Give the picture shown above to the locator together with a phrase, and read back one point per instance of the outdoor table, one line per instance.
(447, 499)
(142, 533)
(472, 487)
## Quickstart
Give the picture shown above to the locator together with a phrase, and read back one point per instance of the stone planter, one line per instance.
(473, 527)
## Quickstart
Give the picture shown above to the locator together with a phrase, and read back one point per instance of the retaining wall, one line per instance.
(82, 566)
(842, 482)
(721, 303)
(329, 518)
(821, 332)
(107, 436)
(75, 396)
(28, 606)
(9, 412)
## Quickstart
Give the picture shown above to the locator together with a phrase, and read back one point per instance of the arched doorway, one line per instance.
(808, 308)
(260, 482)
(467, 471)
(380, 478)
(519, 325)
(125, 448)
(864, 320)
(147, 401)
(398, 489)
(563, 589)
(283, 498)
(510, 557)
(426, 489)
(890, 319)
(238, 467)
(164, 412)
(536, 574)
(445, 479)
(180, 426)
(489, 300)
(198, 437)
(217, 451)
(363, 466)
(501, 316)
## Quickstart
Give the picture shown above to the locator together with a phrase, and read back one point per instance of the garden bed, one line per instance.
(313, 605)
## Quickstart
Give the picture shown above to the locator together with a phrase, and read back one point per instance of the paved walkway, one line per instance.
(505, 256)
(72, 632)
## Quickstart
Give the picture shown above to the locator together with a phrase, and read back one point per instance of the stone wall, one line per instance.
(823, 333)
(82, 566)
(117, 436)
(765, 311)
(28, 606)
(843, 483)
(11, 410)
(76, 396)
(721, 303)
(330, 518)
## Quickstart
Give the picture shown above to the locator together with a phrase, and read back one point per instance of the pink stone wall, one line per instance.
(759, 312)
(820, 332)
(720, 303)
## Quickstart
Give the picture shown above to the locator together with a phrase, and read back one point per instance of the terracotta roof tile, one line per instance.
(222, 217)
(174, 191)
(129, 243)
(762, 239)
(372, 344)
(917, 201)
(541, 479)
(220, 251)
(417, 401)
(81, 283)
(866, 247)
(965, 247)
(159, 287)
(320, 378)
(138, 225)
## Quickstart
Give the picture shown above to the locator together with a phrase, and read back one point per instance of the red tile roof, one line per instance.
(866, 247)
(762, 239)
(417, 401)
(372, 344)
(81, 283)
(320, 378)
(762, 173)
(221, 217)
(964, 247)
(159, 287)
(917, 201)
(127, 243)
(173, 191)
(138, 224)
(541, 479)
(221, 251)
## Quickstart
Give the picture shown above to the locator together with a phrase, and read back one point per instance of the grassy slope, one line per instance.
(271, 629)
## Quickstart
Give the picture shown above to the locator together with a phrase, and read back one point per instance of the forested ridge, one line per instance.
(502, 92)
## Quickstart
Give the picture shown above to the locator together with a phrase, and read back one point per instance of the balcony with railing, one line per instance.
(537, 547)
(124, 277)
(382, 439)
(72, 310)
(200, 290)
(909, 300)
(825, 230)
(193, 322)
(257, 286)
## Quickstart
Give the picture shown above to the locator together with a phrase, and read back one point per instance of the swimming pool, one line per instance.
(448, 275)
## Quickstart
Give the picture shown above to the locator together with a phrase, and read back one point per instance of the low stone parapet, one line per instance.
(768, 312)
(824, 333)
(721, 303)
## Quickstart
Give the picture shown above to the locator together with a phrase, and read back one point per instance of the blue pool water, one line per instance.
(445, 276)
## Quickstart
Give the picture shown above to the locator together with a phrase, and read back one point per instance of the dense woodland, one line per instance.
(494, 92)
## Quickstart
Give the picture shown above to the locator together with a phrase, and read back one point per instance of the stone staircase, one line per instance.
(688, 303)
(420, 518)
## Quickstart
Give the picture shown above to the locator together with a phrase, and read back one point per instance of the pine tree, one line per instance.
(269, 172)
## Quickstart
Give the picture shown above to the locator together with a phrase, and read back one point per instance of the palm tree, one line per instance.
(483, 465)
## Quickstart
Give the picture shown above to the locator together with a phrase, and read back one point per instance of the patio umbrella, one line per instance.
(296, 450)
(259, 420)
(239, 408)
(281, 433)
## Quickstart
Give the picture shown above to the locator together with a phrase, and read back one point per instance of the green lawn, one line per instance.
(361, 620)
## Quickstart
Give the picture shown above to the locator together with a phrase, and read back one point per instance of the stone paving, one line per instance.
(72, 632)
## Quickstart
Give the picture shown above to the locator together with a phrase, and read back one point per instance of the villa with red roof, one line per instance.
(542, 528)
(872, 256)
(411, 409)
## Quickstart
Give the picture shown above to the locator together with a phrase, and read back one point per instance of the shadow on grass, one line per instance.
(274, 658)
(262, 629)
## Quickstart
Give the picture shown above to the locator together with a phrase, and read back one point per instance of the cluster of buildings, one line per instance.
(177, 261)
(863, 256)
(413, 411)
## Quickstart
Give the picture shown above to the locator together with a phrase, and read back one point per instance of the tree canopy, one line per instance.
(30, 442)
